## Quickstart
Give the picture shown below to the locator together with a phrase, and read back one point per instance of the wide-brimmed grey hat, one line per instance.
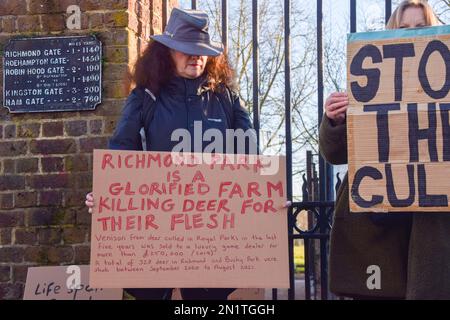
(187, 31)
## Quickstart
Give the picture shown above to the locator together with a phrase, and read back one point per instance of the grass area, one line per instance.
(299, 258)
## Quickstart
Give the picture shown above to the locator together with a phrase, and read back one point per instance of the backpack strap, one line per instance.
(150, 94)
(147, 113)
(148, 108)
(226, 100)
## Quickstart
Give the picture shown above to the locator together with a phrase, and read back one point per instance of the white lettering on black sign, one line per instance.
(52, 74)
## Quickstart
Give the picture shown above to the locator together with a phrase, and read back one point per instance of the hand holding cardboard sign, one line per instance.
(336, 107)
(89, 201)
(398, 124)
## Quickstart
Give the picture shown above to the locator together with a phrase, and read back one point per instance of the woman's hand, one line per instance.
(336, 107)
(89, 201)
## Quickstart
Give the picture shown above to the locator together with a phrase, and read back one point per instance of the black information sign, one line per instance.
(52, 74)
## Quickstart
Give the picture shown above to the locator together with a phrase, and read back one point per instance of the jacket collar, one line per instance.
(179, 86)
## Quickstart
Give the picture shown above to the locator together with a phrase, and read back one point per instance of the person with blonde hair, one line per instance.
(417, 9)
(412, 250)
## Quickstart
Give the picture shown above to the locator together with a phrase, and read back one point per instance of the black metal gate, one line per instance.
(317, 198)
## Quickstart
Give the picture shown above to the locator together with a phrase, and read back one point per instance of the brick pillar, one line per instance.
(145, 19)
(46, 158)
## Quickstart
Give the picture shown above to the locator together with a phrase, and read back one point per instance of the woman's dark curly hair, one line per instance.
(155, 67)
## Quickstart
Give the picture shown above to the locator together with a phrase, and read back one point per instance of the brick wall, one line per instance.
(145, 19)
(46, 158)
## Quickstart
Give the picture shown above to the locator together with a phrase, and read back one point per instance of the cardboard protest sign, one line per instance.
(398, 127)
(56, 283)
(193, 221)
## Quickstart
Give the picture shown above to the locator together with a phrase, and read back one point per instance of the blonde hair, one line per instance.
(396, 18)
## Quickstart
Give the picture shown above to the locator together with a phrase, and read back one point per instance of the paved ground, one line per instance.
(283, 293)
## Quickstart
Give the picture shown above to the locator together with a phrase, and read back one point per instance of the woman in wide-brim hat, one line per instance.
(181, 78)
